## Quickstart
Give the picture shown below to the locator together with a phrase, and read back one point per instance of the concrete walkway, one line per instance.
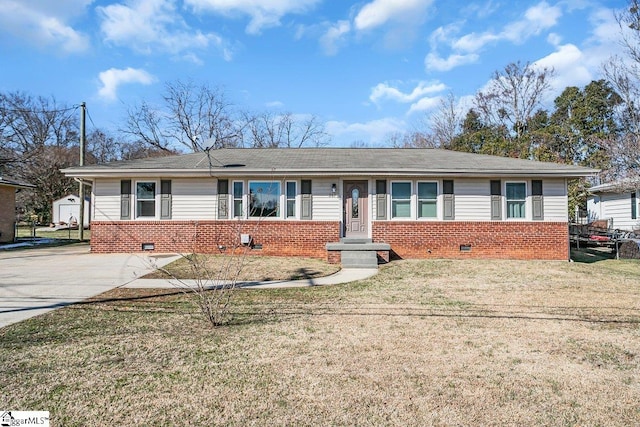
(34, 281)
(345, 275)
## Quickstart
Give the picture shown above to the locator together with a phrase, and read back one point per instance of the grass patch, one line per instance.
(262, 268)
(422, 343)
(27, 232)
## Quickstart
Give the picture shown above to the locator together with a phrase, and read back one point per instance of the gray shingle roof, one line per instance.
(624, 185)
(10, 182)
(332, 161)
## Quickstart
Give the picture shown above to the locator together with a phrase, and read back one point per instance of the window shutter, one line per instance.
(223, 199)
(537, 200)
(165, 199)
(449, 200)
(381, 199)
(125, 199)
(634, 206)
(306, 212)
(496, 200)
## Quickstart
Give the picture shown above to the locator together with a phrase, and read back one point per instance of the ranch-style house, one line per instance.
(403, 202)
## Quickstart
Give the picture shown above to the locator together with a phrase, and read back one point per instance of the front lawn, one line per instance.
(422, 343)
(248, 268)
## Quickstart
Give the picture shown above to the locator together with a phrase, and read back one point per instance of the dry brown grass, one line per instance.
(422, 343)
(250, 268)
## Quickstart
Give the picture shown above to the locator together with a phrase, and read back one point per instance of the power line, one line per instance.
(90, 118)
(41, 111)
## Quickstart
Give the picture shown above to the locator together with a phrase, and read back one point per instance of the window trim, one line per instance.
(242, 200)
(410, 199)
(293, 199)
(279, 198)
(436, 200)
(156, 200)
(526, 202)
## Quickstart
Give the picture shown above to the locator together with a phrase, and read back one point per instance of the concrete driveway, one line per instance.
(34, 281)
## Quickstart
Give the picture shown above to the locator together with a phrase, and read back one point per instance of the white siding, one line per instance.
(594, 206)
(617, 207)
(472, 199)
(555, 200)
(106, 200)
(196, 198)
(326, 205)
(193, 199)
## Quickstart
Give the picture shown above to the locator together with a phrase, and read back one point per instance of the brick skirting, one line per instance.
(285, 238)
(7, 213)
(408, 239)
(466, 239)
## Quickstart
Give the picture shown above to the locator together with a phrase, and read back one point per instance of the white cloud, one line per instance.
(385, 91)
(334, 36)
(554, 39)
(434, 62)
(379, 12)
(275, 104)
(465, 49)
(605, 27)
(442, 35)
(263, 13)
(425, 104)
(113, 78)
(44, 25)
(145, 25)
(372, 132)
(536, 19)
(474, 42)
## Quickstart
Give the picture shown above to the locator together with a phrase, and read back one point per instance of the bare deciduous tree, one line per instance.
(513, 95)
(38, 136)
(191, 117)
(446, 122)
(624, 76)
(271, 130)
(413, 139)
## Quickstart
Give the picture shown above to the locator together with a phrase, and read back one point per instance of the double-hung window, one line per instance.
(427, 199)
(238, 191)
(516, 194)
(291, 199)
(145, 199)
(264, 199)
(400, 200)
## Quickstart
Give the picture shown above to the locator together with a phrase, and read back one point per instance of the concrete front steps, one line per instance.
(359, 252)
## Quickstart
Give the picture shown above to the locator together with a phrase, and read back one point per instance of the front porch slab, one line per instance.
(358, 253)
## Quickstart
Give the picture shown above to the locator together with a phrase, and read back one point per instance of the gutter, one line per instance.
(83, 181)
(226, 172)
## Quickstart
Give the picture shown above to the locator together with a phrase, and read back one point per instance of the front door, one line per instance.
(356, 215)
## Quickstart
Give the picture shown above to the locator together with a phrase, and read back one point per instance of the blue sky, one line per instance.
(367, 69)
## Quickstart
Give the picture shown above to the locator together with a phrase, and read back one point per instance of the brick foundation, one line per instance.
(7, 213)
(286, 238)
(408, 239)
(443, 239)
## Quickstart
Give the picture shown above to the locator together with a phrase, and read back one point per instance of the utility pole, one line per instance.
(83, 113)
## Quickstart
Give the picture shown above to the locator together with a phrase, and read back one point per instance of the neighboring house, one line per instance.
(8, 189)
(66, 210)
(616, 202)
(423, 203)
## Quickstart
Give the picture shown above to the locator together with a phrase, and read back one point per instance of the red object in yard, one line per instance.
(599, 238)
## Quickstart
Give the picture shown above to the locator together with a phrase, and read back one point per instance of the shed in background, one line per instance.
(66, 210)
